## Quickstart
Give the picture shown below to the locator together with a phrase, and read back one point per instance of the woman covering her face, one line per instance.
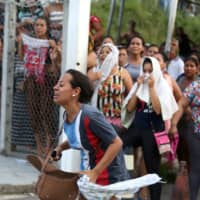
(152, 102)
(111, 82)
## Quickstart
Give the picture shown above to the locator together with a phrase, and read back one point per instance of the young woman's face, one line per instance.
(40, 28)
(152, 51)
(103, 53)
(63, 91)
(108, 40)
(174, 49)
(161, 61)
(147, 68)
(136, 46)
(123, 57)
(190, 68)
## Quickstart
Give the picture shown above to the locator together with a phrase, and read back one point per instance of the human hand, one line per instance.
(173, 130)
(99, 75)
(18, 38)
(91, 174)
(55, 55)
(140, 80)
(28, 21)
(57, 153)
(52, 43)
(151, 81)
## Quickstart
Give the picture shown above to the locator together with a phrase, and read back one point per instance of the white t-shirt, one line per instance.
(175, 67)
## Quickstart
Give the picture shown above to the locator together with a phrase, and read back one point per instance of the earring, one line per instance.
(73, 95)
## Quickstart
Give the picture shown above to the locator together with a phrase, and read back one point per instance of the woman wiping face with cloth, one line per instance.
(152, 102)
(112, 83)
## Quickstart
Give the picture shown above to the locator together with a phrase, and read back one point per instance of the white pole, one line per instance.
(7, 76)
(75, 51)
(171, 22)
(76, 31)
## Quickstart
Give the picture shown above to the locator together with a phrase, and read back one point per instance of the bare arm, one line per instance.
(20, 47)
(183, 103)
(98, 31)
(93, 76)
(47, 11)
(131, 106)
(56, 57)
(176, 90)
(127, 80)
(111, 152)
(155, 100)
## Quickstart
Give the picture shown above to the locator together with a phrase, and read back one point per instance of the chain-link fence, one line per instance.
(35, 117)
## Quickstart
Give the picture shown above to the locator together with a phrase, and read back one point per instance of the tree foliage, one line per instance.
(151, 20)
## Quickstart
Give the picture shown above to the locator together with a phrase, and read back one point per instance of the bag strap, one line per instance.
(44, 165)
(149, 116)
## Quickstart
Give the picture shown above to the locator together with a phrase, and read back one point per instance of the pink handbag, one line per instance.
(163, 142)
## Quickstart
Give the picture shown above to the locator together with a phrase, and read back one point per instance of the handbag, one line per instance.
(53, 183)
(161, 138)
(163, 142)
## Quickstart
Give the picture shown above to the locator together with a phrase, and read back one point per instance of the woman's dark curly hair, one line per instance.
(81, 80)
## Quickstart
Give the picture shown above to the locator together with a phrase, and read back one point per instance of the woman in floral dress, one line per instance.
(191, 98)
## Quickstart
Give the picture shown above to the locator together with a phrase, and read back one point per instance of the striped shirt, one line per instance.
(111, 95)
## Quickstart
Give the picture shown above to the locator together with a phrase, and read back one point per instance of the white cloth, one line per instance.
(34, 42)
(35, 55)
(167, 101)
(93, 191)
(108, 64)
(175, 67)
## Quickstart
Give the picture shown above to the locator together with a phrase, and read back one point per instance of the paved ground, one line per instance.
(17, 175)
(17, 178)
(30, 196)
(19, 197)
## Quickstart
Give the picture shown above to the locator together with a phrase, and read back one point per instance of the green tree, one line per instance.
(151, 20)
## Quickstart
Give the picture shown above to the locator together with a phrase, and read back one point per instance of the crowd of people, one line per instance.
(160, 92)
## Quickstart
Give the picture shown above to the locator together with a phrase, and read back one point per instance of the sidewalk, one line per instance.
(17, 176)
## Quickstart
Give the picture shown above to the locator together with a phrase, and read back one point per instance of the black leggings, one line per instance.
(144, 137)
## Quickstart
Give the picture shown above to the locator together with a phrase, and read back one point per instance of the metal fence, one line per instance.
(35, 117)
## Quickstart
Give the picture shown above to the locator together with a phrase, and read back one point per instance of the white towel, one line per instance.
(167, 101)
(34, 42)
(110, 61)
(93, 191)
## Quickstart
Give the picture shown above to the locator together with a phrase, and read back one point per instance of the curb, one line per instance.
(17, 189)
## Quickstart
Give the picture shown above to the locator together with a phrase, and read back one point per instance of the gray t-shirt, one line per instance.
(134, 71)
(96, 134)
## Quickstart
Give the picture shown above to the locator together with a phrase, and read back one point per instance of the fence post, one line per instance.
(7, 76)
(75, 48)
(110, 17)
